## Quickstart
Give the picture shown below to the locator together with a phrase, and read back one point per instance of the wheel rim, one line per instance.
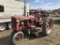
(2, 27)
(48, 28)
(18, 37)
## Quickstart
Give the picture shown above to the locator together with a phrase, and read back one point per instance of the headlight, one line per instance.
(17, 21)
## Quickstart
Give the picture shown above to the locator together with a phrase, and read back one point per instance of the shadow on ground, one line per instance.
(6, 40)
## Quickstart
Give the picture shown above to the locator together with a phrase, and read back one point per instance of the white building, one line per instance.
(12, 7)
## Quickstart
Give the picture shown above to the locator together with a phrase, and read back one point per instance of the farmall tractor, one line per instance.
(30, 24)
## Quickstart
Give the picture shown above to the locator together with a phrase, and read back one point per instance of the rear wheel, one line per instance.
(47, 26)
(17, 36)
(3, 27)
(9, 25)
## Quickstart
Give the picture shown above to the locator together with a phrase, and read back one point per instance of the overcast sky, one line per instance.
(44, 4)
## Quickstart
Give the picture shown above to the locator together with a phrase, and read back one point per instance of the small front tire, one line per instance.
(17, 36)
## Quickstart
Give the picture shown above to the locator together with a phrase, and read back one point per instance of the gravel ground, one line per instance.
(52, 39)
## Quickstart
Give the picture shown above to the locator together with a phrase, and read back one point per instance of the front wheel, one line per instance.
(47, 26)
(17, 36)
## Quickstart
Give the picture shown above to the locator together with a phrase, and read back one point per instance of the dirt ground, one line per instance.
(52, 39)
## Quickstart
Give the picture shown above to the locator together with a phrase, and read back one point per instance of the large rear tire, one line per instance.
(47, 26)
(16, 37)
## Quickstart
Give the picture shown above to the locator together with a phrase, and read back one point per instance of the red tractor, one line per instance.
(31, 24)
